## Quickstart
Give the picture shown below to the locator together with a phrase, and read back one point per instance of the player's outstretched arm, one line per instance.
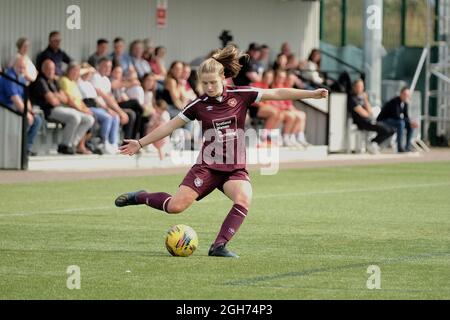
(133, 146)
(293, 94)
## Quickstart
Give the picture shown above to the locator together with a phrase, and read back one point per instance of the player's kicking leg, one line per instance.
(184, 197)
(128, 199)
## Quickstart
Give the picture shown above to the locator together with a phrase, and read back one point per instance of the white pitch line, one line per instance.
(54, 211)
(312, 193)
(260, 196)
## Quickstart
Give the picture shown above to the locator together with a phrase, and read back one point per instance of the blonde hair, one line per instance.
(71, 66)
(224, 62)
(20, 42)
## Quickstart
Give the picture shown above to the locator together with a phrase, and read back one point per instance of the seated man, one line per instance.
(54, 52)
(359, 107)
(395, 114)
(53, 101)
(12, 96)
(103, 86)
(68, 84)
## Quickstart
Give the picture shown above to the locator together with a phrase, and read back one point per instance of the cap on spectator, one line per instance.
(86, 68)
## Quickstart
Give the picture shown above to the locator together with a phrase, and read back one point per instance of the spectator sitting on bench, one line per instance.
(158, 66)
(53, 101)
(173, 89)
(108, 119)
(140, 64)
(186, 88)
(12, 96)
(359, 107)
(294, 119)
(103, 86)
(280, 62)
(160, 117)
(149, 87)
(131, 106)
(23, 46)
(266, 110)
(149, 49)
(312, 69)
(395, 114)
(68, 84)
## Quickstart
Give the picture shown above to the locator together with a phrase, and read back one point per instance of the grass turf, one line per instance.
(310, 234)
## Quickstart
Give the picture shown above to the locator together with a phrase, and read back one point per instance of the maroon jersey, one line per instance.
(223, 122)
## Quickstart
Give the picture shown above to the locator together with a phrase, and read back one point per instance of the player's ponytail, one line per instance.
(224, 62)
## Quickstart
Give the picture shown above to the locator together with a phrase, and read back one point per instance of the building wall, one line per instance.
(193, 25)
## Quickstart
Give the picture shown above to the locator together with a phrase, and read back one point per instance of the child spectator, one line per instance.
(159, 118)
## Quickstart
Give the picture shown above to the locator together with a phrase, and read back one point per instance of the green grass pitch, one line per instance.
(310, 234)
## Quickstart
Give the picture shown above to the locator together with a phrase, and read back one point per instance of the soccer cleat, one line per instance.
(127, 199)
(221, 251)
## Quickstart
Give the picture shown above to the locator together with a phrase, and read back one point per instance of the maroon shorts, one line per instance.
(203, 180)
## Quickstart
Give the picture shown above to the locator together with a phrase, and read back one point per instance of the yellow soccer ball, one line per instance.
(181, 240)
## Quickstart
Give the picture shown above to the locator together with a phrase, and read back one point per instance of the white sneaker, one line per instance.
(303, 142)
(373, 148)
(106, 148)
(115, 148)
(110, 148)
(295, 143)
(289, 142)
(286, 141)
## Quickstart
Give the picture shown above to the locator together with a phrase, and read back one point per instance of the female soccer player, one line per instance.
(221, 164)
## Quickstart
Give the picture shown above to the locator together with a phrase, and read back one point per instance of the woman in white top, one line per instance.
(23, 46)
(312, 68)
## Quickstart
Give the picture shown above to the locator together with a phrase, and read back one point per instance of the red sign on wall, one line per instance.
(161, 14)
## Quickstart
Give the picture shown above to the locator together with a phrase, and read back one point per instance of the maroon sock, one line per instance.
(157, 200)
(231, 224)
